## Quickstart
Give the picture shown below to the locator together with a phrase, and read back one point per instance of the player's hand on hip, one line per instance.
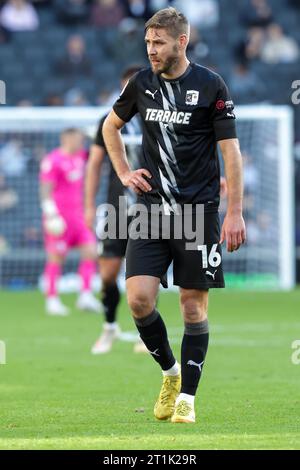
(89, 216)
(233, 231)
(137, 181)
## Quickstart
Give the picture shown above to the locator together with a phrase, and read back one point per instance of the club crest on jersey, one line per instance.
(74, 175)
(192, 97)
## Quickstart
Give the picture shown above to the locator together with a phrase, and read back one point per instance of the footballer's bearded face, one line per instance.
(163, 50)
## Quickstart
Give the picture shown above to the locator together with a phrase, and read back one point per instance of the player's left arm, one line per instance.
(123, 110)
(233, 229)
(115, 146)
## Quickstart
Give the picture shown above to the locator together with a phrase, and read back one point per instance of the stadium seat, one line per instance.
(7, 55)
(35, 54)
(26, 38)
(55, 36)
(47, 17)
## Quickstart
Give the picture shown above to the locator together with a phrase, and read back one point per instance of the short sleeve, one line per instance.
(48, 170)
(221, 112)
(126, 105)
(99, 141)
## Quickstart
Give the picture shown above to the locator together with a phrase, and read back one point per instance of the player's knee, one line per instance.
(140, 304)
(194, 310)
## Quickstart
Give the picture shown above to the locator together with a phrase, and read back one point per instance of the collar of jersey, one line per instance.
(181, 77)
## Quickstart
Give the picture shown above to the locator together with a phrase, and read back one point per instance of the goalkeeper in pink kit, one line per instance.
(61, 187)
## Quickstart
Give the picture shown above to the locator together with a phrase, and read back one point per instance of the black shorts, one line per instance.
(197, 268)
(112, 247)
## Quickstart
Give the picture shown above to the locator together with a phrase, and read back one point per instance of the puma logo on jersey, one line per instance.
(208, 273)
(166, 116)
(148, 92)
(192, 363)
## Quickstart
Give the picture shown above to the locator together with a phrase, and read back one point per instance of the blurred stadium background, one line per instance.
(69, 54)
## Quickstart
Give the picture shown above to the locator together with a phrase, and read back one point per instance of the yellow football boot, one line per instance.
(164, 407)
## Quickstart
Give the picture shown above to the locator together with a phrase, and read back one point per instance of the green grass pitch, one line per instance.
(55, 395)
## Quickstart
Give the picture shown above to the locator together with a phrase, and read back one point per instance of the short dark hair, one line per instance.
(129, 71)
(171, 20)
(70, 131)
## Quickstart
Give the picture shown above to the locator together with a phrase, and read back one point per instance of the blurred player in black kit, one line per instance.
(111, 251)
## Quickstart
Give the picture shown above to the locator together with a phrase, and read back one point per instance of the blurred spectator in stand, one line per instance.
(75, 62)
(197, 49)
(108, 97)
(155, 5)
(75, 97)
(245, 85)
(107, 13)
(13, 160)
(279, 48)
(4, 247)
(103, 97)
(19, 15)
(4, 35)
(53, 100)
(132, 39)
(202, 14)
(72, 12)
(257, 13)
(250, 48)
(8, 197)
(138, 9)
(24, 103)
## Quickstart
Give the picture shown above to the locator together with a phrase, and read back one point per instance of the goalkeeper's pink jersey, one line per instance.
(66, 173)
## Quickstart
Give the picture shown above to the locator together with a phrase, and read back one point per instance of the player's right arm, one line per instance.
(117, 153)
(92, 178)
(123, 110)
(53, 222)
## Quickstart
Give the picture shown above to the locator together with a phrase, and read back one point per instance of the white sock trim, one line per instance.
(175, 370)
(110, 326)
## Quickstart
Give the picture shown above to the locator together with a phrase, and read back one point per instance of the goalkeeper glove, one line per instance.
(53, 222)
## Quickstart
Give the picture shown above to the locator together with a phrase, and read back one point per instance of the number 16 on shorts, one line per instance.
(212, 259)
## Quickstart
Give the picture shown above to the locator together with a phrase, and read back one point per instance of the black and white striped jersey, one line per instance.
(182, 120)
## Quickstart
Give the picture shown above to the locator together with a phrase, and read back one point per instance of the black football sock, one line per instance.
(153, 332)
(193, 351)
(110, 301)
